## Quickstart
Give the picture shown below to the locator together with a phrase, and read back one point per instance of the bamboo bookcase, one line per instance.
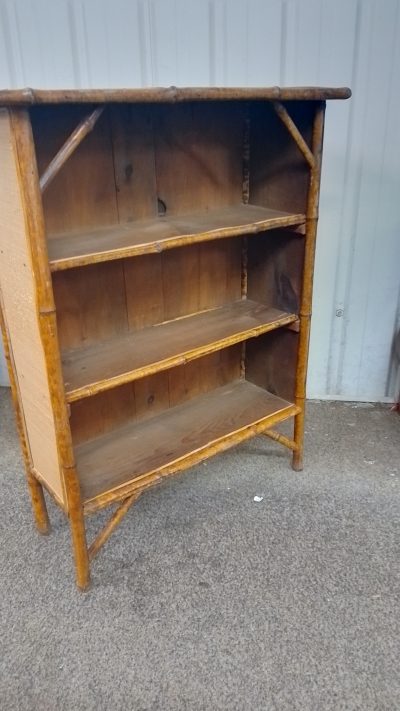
(156, 268)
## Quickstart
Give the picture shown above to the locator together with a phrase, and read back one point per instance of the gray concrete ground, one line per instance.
(204, 599)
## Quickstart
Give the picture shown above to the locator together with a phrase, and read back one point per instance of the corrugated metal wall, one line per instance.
(109, 43)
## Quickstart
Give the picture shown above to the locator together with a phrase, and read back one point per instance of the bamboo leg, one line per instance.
(78, 531)
(38, 504)
(35, 488)
(306, 297)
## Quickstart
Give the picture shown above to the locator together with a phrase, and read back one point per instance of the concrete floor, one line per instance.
(206, 600)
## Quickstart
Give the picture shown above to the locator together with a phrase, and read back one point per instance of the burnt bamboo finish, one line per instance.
(155, 282)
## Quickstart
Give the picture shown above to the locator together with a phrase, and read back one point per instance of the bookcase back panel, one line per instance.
(198, 155)
(19, 306)
(279, 173)
(271, 362)
(100, 301)
(140, 161)
(83, 192)
(132, 138)
(275, 268)
(149, 396)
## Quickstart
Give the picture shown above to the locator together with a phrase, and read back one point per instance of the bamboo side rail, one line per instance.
(115, 519)
(35, 488)
(307, 288)
(71, 144)
(31, 197)
(294, 132)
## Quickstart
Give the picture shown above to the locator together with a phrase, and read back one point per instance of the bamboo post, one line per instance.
(71, 144)
(31, 197)
(35, 488)
(115, 519)
(307, 289)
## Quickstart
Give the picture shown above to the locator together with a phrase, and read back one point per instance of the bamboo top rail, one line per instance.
(30, 97)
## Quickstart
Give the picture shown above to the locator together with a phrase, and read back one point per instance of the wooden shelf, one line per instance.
(104, 365)
(135, 455)
(77, 249)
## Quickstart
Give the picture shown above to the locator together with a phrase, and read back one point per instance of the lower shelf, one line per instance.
(133, 456)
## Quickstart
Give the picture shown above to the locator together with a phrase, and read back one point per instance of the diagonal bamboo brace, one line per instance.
(278, 437)
(70, 145)
(294, 132)
(115, 519)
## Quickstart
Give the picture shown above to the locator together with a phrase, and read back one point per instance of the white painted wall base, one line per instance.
(104, 43)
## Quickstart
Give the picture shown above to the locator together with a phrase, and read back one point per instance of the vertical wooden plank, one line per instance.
(199, 155)
(219, 273)
(151, 395)
(275, 270)
(271, 362)
(144, 291)
(133, 149)
(83, 193)
(180, 281)
(94, 416)
(278, 171)
(90, 303)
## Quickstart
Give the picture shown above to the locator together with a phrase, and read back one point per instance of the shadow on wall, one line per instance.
(3, 369)
(395, 366)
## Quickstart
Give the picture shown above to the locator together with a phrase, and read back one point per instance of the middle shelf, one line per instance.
(97, 367)
(90, 246)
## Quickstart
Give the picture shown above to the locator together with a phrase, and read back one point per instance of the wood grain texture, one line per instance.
(132, 136)
(170, 94)
(89, 370)
(279, 175)
(83, 194)
(150, 447)
(18, 288)
(90, 304)
(102, 413)
(79, 248)
(275, 270)
(271, 362)
(71, 144)
(198, 156)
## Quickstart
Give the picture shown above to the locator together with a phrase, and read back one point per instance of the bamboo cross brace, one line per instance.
(115, 519)
(278, 437)
(71, 144)
(294, 132)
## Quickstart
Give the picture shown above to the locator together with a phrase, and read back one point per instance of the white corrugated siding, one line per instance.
(111, 43)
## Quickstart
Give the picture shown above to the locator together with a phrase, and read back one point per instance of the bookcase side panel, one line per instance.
(19, 300)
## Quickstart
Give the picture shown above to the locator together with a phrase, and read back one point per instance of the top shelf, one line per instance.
(78, 249)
